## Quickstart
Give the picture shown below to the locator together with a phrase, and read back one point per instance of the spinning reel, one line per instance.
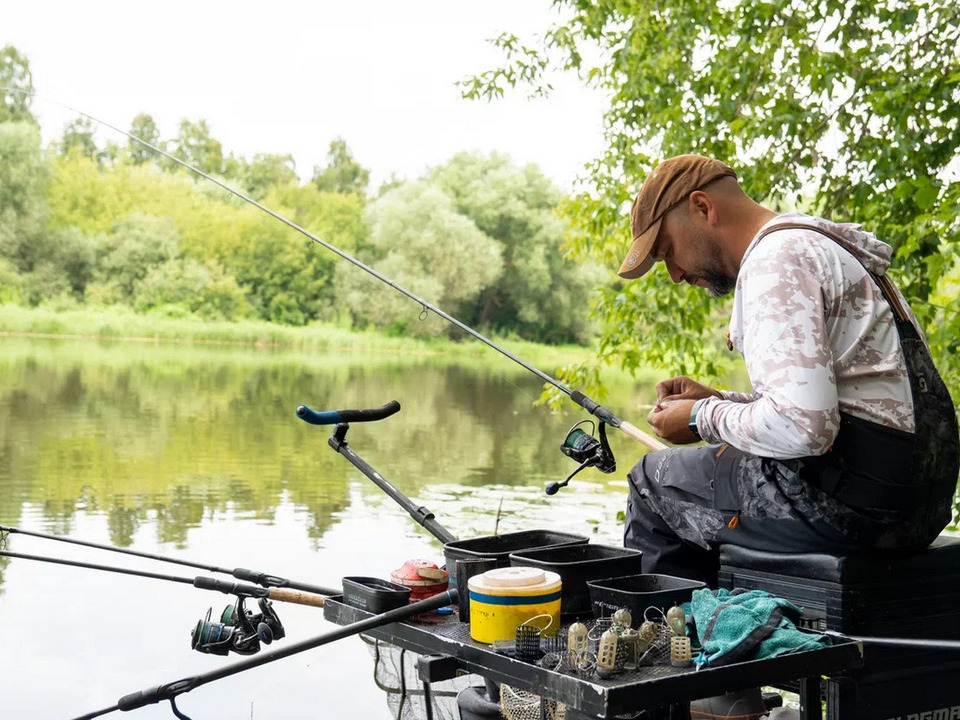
(239, 630)
(586, 450)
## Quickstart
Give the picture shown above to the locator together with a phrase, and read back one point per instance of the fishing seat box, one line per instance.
(916, 596)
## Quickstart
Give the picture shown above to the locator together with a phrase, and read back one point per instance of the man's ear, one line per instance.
(702, 208)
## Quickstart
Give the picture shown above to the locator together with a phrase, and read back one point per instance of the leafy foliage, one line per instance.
(342, 173)
(421, 242)
(197, 147)
(78, 138)
(846, 109)
(541, 294)
(266, 171)
(145, 128)
(24, 177)
(15, 74)
(125, 225)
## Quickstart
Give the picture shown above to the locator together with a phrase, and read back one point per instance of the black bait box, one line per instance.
(499, 547)
(637, 593)
(373, 594)
(578, 564)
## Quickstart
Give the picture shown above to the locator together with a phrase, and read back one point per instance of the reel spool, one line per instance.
(587, 450)
(239, 630)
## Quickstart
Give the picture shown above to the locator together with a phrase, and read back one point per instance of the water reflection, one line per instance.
(195, 451)
(175, 432)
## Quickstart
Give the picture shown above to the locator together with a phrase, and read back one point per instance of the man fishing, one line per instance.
(848, 440)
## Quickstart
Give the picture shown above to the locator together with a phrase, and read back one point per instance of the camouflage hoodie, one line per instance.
(818, 338)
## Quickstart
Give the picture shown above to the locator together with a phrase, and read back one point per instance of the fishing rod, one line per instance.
(894, 642)
(199, 582)
(238, 630)
(259, 578)
(170, 691)
(591, 406)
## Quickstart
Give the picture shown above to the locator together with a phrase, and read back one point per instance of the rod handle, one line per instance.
(295, 596)
(641, 437)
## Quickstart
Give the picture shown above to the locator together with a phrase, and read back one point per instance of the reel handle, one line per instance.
(553, 487)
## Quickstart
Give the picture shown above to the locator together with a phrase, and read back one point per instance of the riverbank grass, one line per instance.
(122, 324)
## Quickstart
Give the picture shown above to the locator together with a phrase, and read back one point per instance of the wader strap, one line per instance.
(883, 282)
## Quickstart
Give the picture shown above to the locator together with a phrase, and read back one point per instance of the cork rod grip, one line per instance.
(295, 596)
(641, 437)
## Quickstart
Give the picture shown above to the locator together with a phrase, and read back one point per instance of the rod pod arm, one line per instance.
(338, 442)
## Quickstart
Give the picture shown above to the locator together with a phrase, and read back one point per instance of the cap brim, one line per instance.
(639, 260)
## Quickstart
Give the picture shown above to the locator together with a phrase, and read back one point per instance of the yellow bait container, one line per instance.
(505, 598)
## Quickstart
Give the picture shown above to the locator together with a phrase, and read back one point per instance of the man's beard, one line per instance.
(718, 282)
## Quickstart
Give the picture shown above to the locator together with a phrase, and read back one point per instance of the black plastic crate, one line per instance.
(915, 596)
(499, 547)
(373, 594)
(578, 564)
(637, 593)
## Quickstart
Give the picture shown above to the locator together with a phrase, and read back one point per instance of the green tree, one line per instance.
(342, 173)
(197, 147)
(15, 74)
(136, 246)
(266, 171)
(144, 127)
(24, 176)
(288, 279)
(849, 109)
(419, 240)
(541, 295)
(181, 286)
(78, 138)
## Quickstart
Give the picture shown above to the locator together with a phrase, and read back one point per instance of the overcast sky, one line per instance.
(287, 77)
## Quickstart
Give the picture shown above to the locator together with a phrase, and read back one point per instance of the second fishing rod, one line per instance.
(254, 576)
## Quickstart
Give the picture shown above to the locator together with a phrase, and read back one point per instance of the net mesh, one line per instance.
(395, 673)
(522, 705)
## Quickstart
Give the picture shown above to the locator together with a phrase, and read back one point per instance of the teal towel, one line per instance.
(747, 625)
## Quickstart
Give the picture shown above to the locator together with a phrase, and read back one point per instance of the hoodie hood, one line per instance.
(874, 254)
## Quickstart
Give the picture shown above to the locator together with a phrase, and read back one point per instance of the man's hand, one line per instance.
(683, 388)
(670, 419)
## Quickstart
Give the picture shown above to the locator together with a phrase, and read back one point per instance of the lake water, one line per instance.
(195, 452)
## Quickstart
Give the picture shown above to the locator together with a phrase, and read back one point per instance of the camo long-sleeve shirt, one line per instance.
(818, 338)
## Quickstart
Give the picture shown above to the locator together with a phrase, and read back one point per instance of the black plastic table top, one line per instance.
(644, 688)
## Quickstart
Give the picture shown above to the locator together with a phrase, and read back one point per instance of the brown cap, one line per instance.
(667, 185)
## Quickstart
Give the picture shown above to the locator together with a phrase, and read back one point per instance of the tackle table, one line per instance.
(447, 649)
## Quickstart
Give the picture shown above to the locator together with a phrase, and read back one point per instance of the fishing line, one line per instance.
(591, 406)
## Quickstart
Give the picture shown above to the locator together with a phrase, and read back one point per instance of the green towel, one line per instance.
(747, 625)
